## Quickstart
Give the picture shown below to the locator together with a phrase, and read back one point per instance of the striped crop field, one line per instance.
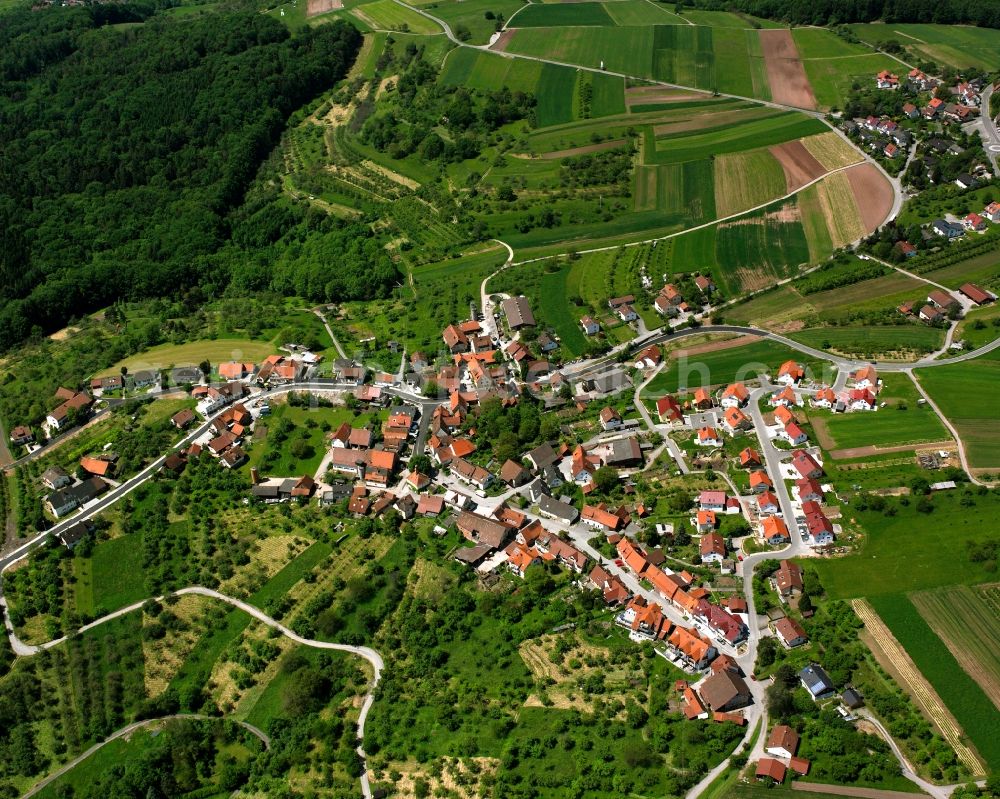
(832, 150)
(746, 180)
(967, 619)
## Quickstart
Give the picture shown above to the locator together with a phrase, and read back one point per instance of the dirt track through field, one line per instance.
(914, 683)
(864, 452)
(785, 73)
(317, 7)
(872, 193)
(800, 165)
(643, 95)
(583, 150)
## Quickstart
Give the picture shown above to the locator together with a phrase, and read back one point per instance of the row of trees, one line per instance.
(832, 12)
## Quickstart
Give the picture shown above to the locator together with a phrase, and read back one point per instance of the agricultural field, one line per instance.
(957, 46)
(814, 43)
(888, 343)
(555, 92)
(745, 180)
(832, 150)
(831, 79)
(725, 365)
(975, 714)
(555, 15)
(967, 620)
(730, 138)
(902, 421)
(166, 356)
(486, 71)
(963, 393)
(640, 12)
(386, 15)
(471, 15)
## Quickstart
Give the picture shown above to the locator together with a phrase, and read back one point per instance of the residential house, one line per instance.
(520, 558)
(808, 490)
(705, 521)
(632, 556)
(610, 419)
(713, 500)
(786, 398)
(791, 634)
(760, 482)
(725, 690)
(591, 327)
(514, 474)
(819, 527)
(183, 418)
(455, 340)
(749, 458)
(702, 399)
(816, 681)
(696, 652)
(649, 358)
(617, 302)
(102, 467)
(950, 230)
(942, 299)
(626, 313)
(712, 547)
(55, 477)
(541, 456)
(610, 585)
(911, 111)
(736, 421)
(704, 284)
(74, 402)
(931, 314)
(21, 435)
(782, 742)
(788, 579)
(805, 464)
(907, 249)
(709, 437)
(774, 531)
(862, 399)
(992, 212)
(974, 222)
(483, 530)
(793, 434)
(669, 410)
(600, 517)
(768, 504)
(966, 182)
(65, 500)
(865, 377)
(886, 80)
(468, 472)
(790, 373)
(735, 395)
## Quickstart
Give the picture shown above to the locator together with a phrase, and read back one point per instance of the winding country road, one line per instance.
(369, 654)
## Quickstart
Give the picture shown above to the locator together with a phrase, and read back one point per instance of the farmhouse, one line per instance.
(931, 314)
(555, 509)
(617, 302)
(976, 294)
(769, 769)
(66, 500)
(942, 299)
(74, 402)
(483, 530)
(725, 690)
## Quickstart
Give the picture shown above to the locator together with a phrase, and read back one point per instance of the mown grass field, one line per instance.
(913, 551)
(965, 394)
(951, 45)
(215, 351)
(823, 43)
(967, 702)
(640, 12)
(555, 92)
(775, 129)
(967, 620)
(390, 16)
(543, 15)
(725, 366)
(486, 71)
(609, 95)
(902, 421)
(832, 78)
(470, 14)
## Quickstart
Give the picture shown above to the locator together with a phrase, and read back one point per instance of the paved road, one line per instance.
(128, 730)
(991, 136)
(369, 654)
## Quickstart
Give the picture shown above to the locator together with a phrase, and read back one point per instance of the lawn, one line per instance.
(972, 709)
(554, 15)
(964, 393)
(215, 351)
(902, 421)
(724, 366)
(914, 551)
(780, 127)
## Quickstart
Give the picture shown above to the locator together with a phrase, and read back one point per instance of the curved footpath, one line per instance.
(128, 730)
(369, 654)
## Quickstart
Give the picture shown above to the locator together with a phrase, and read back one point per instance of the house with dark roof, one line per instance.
(725, 690)
(816, 681)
